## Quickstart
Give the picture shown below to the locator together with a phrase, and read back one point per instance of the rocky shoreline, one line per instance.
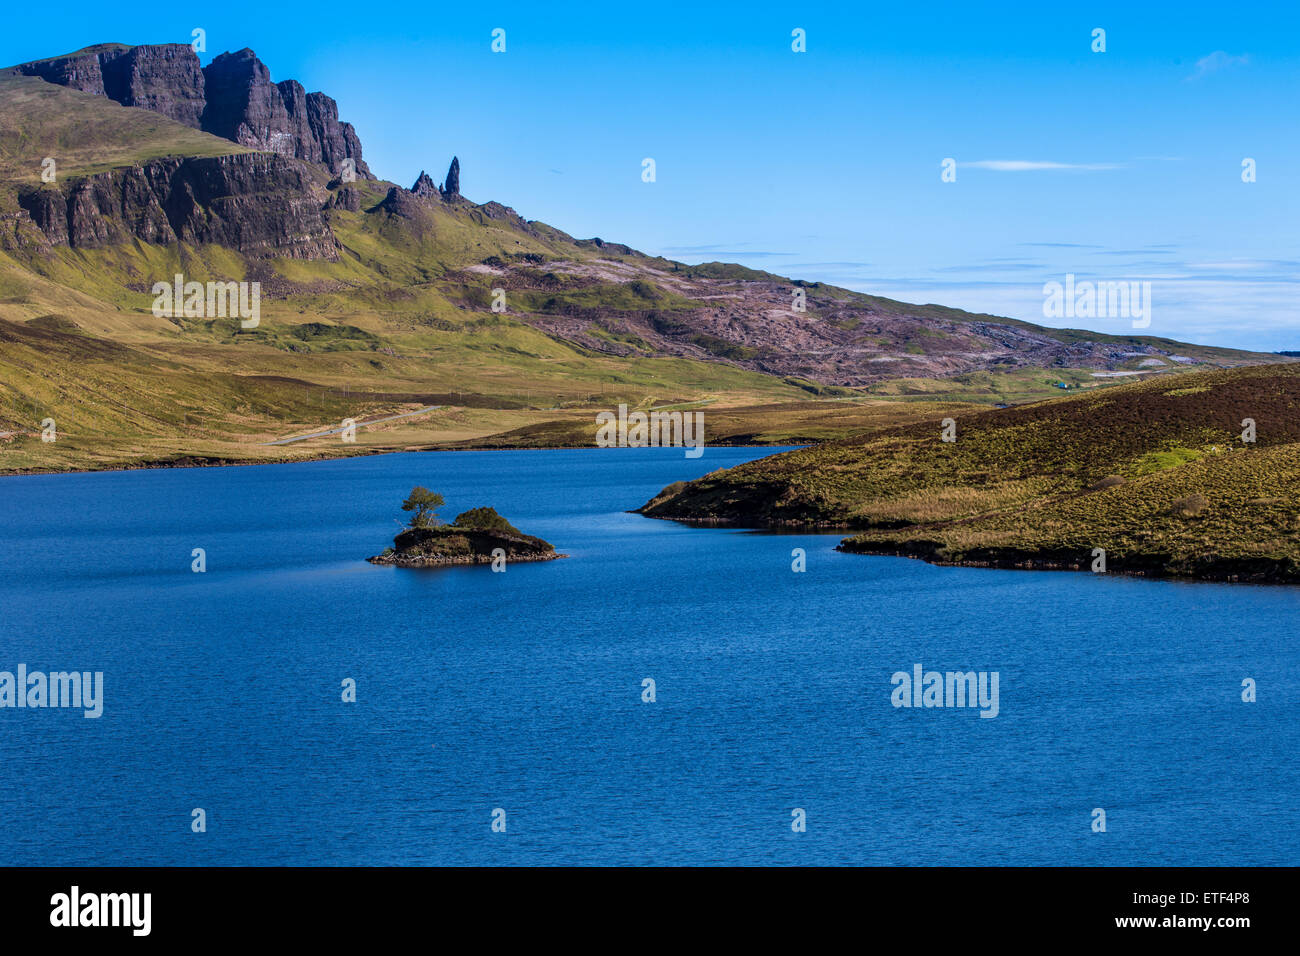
(1211, 568)
(1202, 567)
(450, 545)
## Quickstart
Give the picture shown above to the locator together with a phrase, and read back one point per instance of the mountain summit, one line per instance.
(232, 97)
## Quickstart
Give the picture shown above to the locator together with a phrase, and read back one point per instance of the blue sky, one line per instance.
(825, 165)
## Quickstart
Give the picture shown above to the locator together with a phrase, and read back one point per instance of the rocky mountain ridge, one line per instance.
(272, 203)
(168, 182)
(232, 97)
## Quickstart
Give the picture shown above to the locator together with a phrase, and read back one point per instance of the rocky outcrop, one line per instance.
(404, 203)
(400, 201)
(338, 141)
(47, 208)
(164, 77)
(451, 188)
(348, 198)
(494, 211)
(245, 106)
(449, 544)
(232, 97)
(82, 70)
(260, 205)
(424, 187)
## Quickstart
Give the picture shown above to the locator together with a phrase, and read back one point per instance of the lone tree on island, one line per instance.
(425, 504)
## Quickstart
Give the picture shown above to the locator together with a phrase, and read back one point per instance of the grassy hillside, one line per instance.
(1155, 473)
(403, 319)
(86, 134)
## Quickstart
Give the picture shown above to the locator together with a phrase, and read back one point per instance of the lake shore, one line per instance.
(219, 462)
(1195, 483)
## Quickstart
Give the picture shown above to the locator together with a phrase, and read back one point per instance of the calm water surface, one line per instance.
(478, 690)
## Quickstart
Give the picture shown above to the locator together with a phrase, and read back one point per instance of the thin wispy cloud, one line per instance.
(1235, 264)
(747, 254)
(737, 250)
(726, 255)
(1031, 165)
(830, 265)
(1216, 61)
(1281, 269)
(992, 265)
(1060, 245)
(1136, 252)
(709, 247)
(1193, 308)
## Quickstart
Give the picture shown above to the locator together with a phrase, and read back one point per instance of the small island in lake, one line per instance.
(477, 536)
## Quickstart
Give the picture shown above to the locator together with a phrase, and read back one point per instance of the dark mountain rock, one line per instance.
(424, 187)
(263, 206)
(48, 209)
(495, 211)
(338, 141)
(451, 188)
(82, 70)
(232, 97)
(164, 77)
(406, 205)
(347, 198)
(245, 106)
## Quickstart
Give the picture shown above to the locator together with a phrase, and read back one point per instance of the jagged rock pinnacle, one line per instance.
(424, 186)
(451, 189)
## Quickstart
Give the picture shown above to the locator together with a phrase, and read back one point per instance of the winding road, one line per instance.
(336, 431)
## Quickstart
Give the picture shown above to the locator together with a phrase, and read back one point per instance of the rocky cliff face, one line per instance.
(233, 97)
(81, 71)
(263, 206)
(165, 78)
(245, 106)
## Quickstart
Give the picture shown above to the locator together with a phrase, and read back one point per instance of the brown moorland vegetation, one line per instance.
(1156, 474)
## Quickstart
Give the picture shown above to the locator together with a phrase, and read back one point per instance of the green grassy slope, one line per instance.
(403, 319)
(86, 134)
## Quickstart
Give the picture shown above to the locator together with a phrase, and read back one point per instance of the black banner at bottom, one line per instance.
(335, 906)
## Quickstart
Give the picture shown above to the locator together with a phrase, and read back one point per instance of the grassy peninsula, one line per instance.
(1161, 475)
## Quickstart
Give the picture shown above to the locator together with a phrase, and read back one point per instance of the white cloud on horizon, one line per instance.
(1231, 312)
(1029, 165)
(1216, 61)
